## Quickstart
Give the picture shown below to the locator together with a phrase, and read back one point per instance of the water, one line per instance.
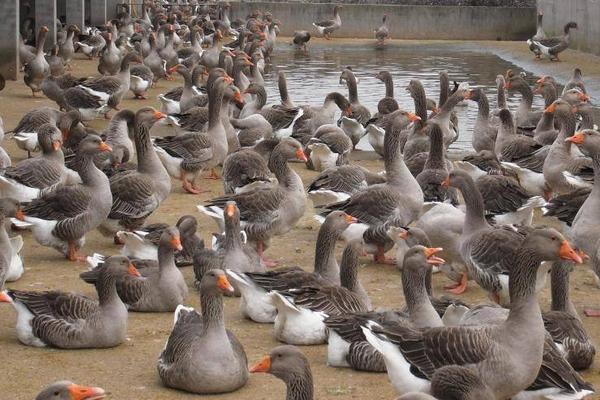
(311, 77)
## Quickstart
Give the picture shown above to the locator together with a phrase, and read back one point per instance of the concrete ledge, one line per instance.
(404, 22)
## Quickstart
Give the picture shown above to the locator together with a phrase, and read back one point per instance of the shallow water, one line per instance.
(311, 77)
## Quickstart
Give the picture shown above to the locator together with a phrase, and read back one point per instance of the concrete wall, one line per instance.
(585, 12)
(404, 22)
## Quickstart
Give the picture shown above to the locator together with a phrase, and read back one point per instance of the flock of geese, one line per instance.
(470, 219)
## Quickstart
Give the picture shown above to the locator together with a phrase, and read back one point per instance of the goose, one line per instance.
(328, 147)
(524, 116)
(292, 367)
(66, 48)
(301, 311)
(511, 146)
(576, 82)
(326, 28)
(92, 45)
(67, 390)
(201, 356)
(193, 152)
(56, 64)
(110, 59)
(71, 321)
(273, 211)
(388, 104)
(37, 68)
(254, 288)
(141, 81)
(565, 207)
(246, 168)
(382, 33)
(353, 129)
(301, 38)
(61, 218)
(252, 129)
(552, 47)
(27, 179)
(117, 134)
(313, 117)
(161, 286)
(53, 87)
(523, 329)
(398, 201)
(539, 35)
(280, 116)
(10, 246)
(143, 243)
(484, 134)
(359, 112)
(153, 61)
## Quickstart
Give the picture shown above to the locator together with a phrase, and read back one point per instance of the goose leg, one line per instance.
(591, 312)
(72, 253)
(458, 288)
(380, 257)
(213, 175)
(260, 249)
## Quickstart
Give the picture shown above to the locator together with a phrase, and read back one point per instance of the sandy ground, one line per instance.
(129, 371)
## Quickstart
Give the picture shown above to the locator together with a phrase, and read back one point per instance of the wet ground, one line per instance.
(129, 371)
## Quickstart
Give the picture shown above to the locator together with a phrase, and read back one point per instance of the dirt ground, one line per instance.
(129, 371)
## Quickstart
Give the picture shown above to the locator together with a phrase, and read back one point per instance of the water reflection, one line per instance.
(312, 76)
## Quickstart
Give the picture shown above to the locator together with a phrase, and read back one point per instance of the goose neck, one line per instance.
(299, 386)
(559, 288)
(212, 311)
(325, 250)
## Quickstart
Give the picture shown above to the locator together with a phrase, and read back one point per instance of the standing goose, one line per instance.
(61, 218)
(153, 61)
(444, 117)
(161, 286)
(110, 59)
(11, 263)
(511, 146)
(201, 356)
(552, 47)
(66, 390)
(382, 33)
(25, 180)
(292, 367)
(524, 116)
(539, 35)
(71, 321)
(326, 28)
(301, 38)
(38, 68)
(506, 358)
(313, 117)
(271, 211)
(398, 201)
(141, 81)
(138, 193)
(67, 48)
(55, 63)
(255, 287)
(359, 112)
(186, 156)
(388, 104)
(484, 134)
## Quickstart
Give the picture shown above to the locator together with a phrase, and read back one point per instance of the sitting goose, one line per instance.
(339, 183)
(280, 117)
(70, 391)
(10, 247)
(27, 179)
(160, 288)
(552, 47)
(38, 68)
(271, 211)
(254, 288)
(382, 33)
(71, 321)
(143, 243)
(326, 28)
(398, 201)
(505, 358)
(292, 367)
(138, 193)
(252, 129)
(329, 147)
(61, 218)
(201, 356)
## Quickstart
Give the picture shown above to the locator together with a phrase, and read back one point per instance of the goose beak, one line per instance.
(567, 253)
(430, 255)
(403, 235)
(577, 138)
(263, 366)
(348, 110)
(158, 115)
(413, 117)
(350, 219)
(584, 98)
(248, 63)
(176, 243)
(301, 156)
(541, 80)
(5, 298)
(446, 182)
(224, 285)
(230, 210)
(238, 97)
(86, 393)
(469, 94)
(104, 147)
(65, 134)
(551, 108)
(173, 69)
(20, 215)
(228, 79)
(132, 270)
(56, 145)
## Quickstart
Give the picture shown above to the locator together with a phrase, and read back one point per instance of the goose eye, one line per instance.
(553, 237)
(56, 393)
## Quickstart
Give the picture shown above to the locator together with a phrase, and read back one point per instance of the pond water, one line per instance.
(311, 77)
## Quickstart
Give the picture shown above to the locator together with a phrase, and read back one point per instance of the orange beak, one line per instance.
(350, 219)
(301, 156)
(430, 255)
(446, 182)
(349, 110)
(577, 138)
(541, 80)
(176, 243)
(248, 63)
(5, 298)
(132, 270)
(567, 253)
(583, 97)
(158, 115)
(263, 366)
(44, 28)
(84, 392)
(20, 215)
(228, 79)
(56, 145)
(413, 117)
(550, 109)
(230, 210)
(104, 147)
(224, 285)
(238, 97)
(403, 235)
(173, 69)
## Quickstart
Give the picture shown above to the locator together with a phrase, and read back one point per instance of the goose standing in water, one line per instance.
(382, 33)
